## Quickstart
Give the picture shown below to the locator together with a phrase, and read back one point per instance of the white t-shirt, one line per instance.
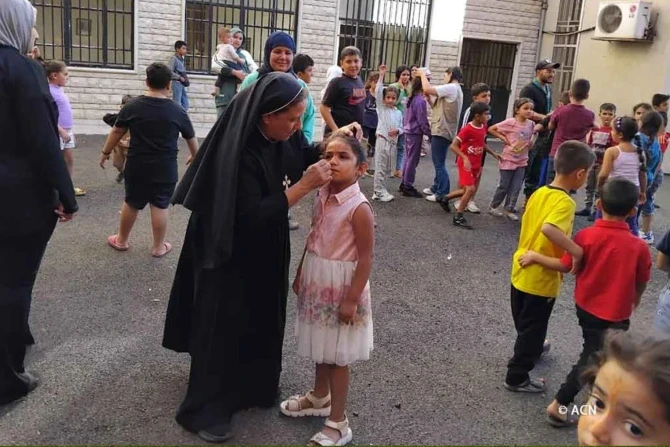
(226, 52)
(448, 91)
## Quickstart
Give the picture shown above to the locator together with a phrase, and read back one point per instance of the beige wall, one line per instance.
(624, 73)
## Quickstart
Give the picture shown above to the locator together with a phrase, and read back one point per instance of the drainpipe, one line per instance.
(543, 19)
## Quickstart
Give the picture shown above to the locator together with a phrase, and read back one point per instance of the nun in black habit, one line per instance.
(228, 302)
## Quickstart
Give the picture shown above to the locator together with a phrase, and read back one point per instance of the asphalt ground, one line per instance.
(443, 332)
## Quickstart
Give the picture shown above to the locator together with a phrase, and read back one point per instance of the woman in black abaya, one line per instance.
(228, 302)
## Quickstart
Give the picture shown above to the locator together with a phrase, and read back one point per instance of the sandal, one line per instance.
(112, 241)
(345, 432)
(168, 249)
(560, 423)
(292, 407)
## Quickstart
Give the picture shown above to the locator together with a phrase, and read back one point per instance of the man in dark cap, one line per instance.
(539, 90)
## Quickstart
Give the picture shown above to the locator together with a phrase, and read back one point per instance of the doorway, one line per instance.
(492, 63)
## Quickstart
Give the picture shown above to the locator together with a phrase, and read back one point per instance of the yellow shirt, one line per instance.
(547, 205)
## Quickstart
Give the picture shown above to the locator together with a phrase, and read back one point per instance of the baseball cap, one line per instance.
(547, 63)
(427, 70)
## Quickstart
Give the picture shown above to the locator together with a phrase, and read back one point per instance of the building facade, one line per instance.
(621, 72)
(109, 43)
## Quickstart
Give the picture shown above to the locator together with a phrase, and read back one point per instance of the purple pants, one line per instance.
(412, 158)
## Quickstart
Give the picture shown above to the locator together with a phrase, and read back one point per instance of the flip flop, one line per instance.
(111, 240)
(560, 423)
(168, 249)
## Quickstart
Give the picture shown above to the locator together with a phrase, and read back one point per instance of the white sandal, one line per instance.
(345, 432)
(292, 407)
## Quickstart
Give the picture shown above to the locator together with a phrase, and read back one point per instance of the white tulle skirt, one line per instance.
(323, 285)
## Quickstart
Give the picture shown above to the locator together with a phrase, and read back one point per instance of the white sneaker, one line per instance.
(648, 238)
(513, 216)
(384, 197)
(495, 212)
(431, 198)
(472, 208)
(428, 192)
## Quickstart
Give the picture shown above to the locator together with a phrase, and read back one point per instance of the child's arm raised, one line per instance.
(560, 239)
(364, 232)
(532, 257)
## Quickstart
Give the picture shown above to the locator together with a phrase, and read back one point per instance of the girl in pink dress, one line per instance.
(334, 324)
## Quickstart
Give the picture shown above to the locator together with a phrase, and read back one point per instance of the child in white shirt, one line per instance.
(226, 54)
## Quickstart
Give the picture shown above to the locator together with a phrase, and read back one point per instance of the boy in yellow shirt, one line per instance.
(546, 228)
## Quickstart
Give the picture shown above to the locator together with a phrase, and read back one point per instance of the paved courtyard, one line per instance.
(443, 332)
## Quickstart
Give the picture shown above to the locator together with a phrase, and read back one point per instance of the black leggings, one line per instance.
(19, 262)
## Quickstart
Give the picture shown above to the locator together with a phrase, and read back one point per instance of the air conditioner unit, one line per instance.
(623, 20)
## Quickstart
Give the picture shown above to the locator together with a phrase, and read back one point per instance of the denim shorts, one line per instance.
(648, 208)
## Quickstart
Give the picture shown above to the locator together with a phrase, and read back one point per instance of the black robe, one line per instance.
(231, 318)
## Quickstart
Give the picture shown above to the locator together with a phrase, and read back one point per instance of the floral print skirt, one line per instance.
(324, 283)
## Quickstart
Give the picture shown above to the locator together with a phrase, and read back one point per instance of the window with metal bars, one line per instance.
(257, 18)
(87, 33)
(394, 32)
(566, 42)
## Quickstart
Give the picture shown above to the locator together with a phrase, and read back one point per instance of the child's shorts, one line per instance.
(647, 208)
(468, 178)
(70, 144)
(139, 193)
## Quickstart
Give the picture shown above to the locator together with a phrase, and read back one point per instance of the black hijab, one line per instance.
(276, 39)
(209, 186)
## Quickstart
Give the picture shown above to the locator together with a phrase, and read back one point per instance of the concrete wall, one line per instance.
(515, 21)
(624, 73)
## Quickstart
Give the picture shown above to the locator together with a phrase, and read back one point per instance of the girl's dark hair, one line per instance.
(417, 89)
(372, 77)
(651, 124)
(647, 356)
(53, 67)
(520, 103)
(400, 70)
(628, 129)
(391, 89)
(355, 145)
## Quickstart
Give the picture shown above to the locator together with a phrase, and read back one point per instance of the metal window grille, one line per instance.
(89, 33)
(257, 18)
(394, 32)
(492, 63)
(565, 45)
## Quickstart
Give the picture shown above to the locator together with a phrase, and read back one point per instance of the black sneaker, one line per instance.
(444, 203)
(459, 221)
(401, 188)
(586, 212)
(592, 217)
(410, 191)
(119, 178)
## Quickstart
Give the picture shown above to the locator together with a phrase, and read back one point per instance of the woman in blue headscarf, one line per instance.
(228, 302)
(278, 56)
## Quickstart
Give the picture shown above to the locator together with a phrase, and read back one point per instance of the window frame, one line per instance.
(566, 46)
(278, 12)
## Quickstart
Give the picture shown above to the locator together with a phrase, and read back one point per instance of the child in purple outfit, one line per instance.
(415, 127)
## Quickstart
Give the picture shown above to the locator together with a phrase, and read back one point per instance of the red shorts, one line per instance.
(468, 178)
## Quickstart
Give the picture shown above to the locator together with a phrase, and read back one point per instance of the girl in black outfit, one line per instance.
(34, 184)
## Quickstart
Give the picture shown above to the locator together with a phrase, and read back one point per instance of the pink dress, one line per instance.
(327, 272)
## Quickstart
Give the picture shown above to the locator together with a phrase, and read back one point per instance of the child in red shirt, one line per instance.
(469, 146)
(615, 273)
(599, 140)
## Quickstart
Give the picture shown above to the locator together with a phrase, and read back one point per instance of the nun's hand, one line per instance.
(352, 130)
(317, 175)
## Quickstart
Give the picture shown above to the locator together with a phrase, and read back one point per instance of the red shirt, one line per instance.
(473, 140)
(614, 262)
(573, 122)
(600, 139)
(663, 141)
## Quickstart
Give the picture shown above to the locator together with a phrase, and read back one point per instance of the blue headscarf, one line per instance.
(276, 39)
